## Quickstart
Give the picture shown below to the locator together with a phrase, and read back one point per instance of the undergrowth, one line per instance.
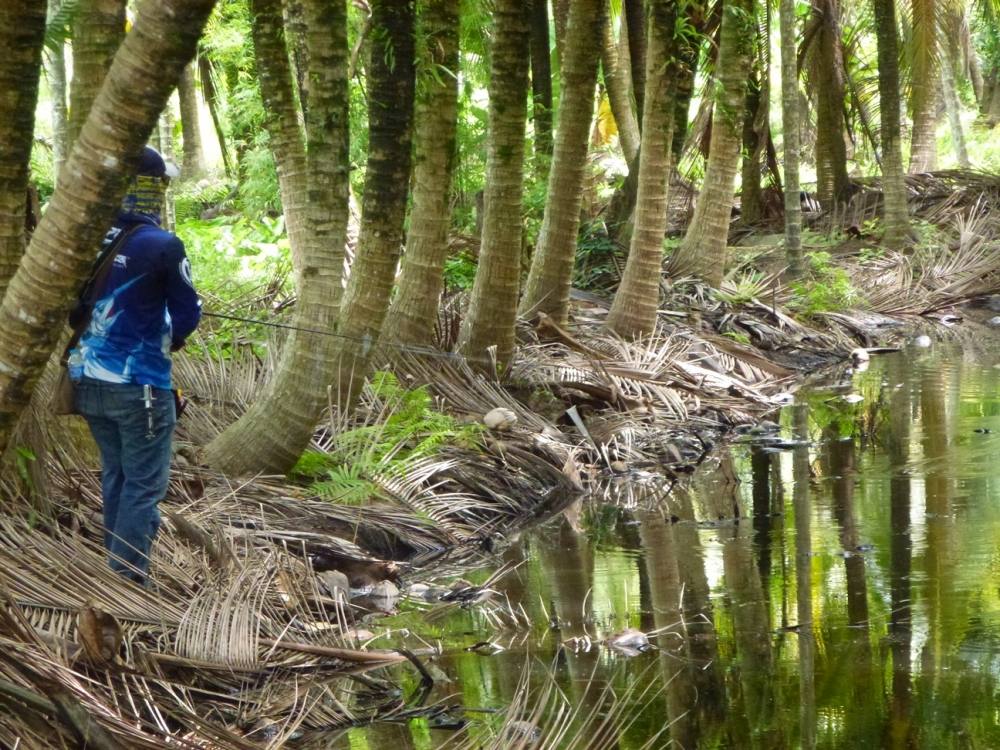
(824, 288)
(408, 428)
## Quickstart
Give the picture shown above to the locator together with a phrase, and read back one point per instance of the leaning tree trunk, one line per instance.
(790, 124)
(208, 87)
(617, 80)
(541, 81)
(633, 311)
(194, 154)
(272, 434)
(703, 251)
(896, 215)
(832, 182)
(98, 29)
(55, 71)
(493, 309)
(547, 288)
(391, 90)
(22, 28)
(414, 310)
(925, 79)
(61, 251)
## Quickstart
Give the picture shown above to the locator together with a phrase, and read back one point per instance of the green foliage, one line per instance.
(595, 267)
(459, 272)
(192, 199)
(825, 287)
(743, 289)
(409, 429)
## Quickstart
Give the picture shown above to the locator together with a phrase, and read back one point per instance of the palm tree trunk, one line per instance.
(55, 70)
(560, 22)
(206, 74)
(22, 28)
(98, 29)
(281, 120)
(832, 181)
(541, 82)
(272, 434)
(755, 134)
(790, 120)
(412, 314)
(61, 251)
(493, 308)
(688, 52)
(633, 311)
(616, 79)
(194, 154)
(954, 110)
(548, 284)
(896, 215)
(391, 90)
(635, 26)
(703, 252)
(924, 81)
(165, 136)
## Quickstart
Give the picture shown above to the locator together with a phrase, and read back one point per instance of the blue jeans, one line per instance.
(135, 466)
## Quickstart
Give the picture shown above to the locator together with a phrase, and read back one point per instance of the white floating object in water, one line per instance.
(783, 399)
(860, 355)
(922, 341)
(852, 398)
(500, 419)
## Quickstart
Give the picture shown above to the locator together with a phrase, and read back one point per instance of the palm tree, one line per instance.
(272, 433)
(925, 82)
(547, 288)
(633, 311)
(541, 81)
(22, 29)
(703, 251)
(194, 154)
(144, 73)
(824, 48)
(412, 314)
(493, 308)
(897, 221)
(55, 72)
(391, 91)
(635, 28)
(790, 128)
(98, 29)
(618, 83)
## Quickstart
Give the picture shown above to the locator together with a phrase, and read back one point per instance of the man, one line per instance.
(121, 366)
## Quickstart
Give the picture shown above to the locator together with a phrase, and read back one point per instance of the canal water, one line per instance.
(831, 584)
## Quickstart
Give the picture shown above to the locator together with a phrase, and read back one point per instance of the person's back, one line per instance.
(146, 307)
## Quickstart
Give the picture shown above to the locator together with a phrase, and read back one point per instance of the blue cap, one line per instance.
(151, 164)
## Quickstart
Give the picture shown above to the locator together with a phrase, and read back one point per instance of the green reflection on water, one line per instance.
(854, 603)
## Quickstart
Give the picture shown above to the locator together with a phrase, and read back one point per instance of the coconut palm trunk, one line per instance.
(547, 288)
(414, 310)
(541, 81)
(22, 28)
(98, 29)
(703, 251)
(925, 83)
(194, 153)
(633, 311)
(618, 83)
(272, 434)
(827, 71)
(954, 110)
(635, 27)
(790, 120)
(756, 131)
(60, 253)
(55, 72)
(896, 215)
(493, 308)
(391, 90)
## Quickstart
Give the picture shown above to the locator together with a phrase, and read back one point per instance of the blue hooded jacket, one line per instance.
(147, 308)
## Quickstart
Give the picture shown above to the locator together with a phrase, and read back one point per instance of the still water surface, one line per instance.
(838, 589)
